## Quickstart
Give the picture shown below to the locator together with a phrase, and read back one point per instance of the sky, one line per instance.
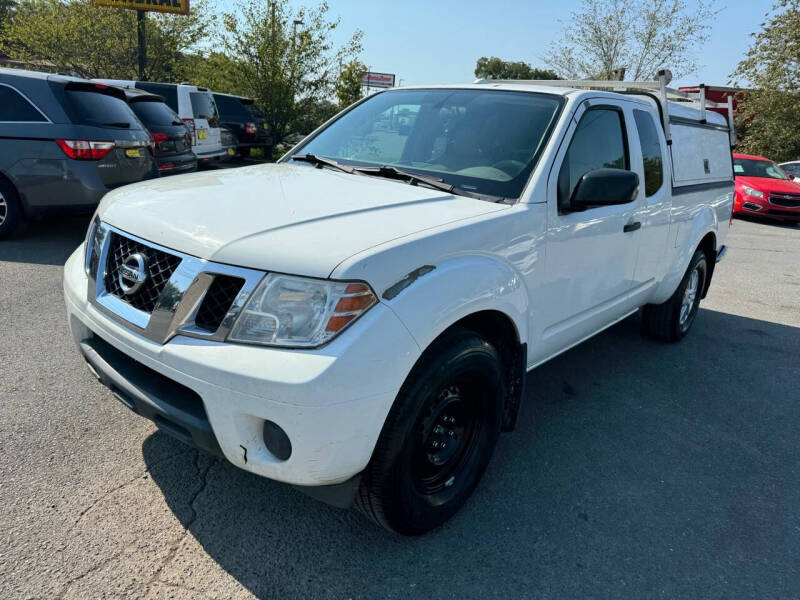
(438, 41)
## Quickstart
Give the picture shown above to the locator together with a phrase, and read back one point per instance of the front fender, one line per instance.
(456, 288)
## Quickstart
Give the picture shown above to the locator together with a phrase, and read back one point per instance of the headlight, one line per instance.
(94, 243)
(751, 192)
(300, 312)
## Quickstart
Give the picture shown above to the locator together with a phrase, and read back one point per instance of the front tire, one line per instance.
(438, 437)
(670, 321)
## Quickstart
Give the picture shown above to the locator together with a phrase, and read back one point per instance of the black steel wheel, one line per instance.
(438, 437)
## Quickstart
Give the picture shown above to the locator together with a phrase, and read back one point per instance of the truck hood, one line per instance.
(280, 217)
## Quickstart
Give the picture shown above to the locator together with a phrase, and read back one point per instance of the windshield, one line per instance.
(792, 169)
(748, 167)
(481, 141)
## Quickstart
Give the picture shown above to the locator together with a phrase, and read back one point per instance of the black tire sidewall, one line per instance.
(406, 509)
(699, 259)
(14, 210)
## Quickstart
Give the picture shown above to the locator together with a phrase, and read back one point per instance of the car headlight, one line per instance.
(300, 312)
(94, 243)
(752, 193)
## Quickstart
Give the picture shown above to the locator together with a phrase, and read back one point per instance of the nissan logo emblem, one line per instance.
(132, 273)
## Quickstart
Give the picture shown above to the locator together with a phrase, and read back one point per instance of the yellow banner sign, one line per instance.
(176, 7)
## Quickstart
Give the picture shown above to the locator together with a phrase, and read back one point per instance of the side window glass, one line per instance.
(599, 142)
(13, 107)
(652, 161)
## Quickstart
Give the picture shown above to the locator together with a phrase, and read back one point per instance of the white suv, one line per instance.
(358, 320)
(195, 106)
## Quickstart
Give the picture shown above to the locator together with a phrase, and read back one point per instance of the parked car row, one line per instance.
(65, 141)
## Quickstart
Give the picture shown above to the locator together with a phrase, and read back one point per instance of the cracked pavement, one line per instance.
(637, 469)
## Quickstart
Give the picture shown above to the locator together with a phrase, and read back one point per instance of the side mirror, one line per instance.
(604, 187)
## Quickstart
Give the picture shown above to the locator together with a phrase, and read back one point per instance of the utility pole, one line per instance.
(141, 19)
(295, 23)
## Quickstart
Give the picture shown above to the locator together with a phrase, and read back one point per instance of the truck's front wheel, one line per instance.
(438, 437)
(671, 320)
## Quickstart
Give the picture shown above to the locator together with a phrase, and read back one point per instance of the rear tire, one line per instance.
(670, 321)
(11, 216)
(438, 437)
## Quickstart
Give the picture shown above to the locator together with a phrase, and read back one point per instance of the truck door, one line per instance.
(591, 254)
(648, 152)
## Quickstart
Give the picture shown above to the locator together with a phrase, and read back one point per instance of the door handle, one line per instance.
(632, 226)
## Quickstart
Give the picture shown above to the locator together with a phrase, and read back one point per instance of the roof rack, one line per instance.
(657, 89)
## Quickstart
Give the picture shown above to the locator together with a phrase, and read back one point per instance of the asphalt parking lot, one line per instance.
(637, 469)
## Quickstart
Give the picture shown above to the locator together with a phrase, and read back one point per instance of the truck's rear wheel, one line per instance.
(438, 437)
(10, 210)
(671, 320)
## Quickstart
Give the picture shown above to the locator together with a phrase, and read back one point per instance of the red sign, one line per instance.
(378, 80)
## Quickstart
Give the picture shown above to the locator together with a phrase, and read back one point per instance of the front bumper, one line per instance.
(764, 207)
(331, 402)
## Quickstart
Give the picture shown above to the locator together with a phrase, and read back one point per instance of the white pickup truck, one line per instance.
(358, 320)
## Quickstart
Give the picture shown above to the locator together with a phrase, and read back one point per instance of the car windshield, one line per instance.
(748, 167)
(480, 141)
(792, 169)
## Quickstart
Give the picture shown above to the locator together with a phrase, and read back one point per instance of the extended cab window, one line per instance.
(599, 142)
(651, 152)
(13, 107)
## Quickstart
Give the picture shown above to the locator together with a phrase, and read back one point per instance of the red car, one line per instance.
(763, 188)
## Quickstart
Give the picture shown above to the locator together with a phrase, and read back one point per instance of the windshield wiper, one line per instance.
(414, 179)
(321, 161)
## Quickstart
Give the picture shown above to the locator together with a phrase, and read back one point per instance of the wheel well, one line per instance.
(5, 178)
(709, 246)
(499, 330)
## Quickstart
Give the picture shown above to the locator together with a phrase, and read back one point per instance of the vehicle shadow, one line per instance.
(48, 241)
(635, 466)
(767, 221)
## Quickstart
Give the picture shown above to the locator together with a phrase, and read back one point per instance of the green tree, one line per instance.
(640, 36)
(285, 58)
(348, 85)
(214, 70)
(6, 12)
(768, 116)
(496, 68)
(89, 41)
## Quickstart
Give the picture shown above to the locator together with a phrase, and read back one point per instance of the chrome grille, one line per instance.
(217, 302)
(787, 200)
(160, 267)
(180, 295)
